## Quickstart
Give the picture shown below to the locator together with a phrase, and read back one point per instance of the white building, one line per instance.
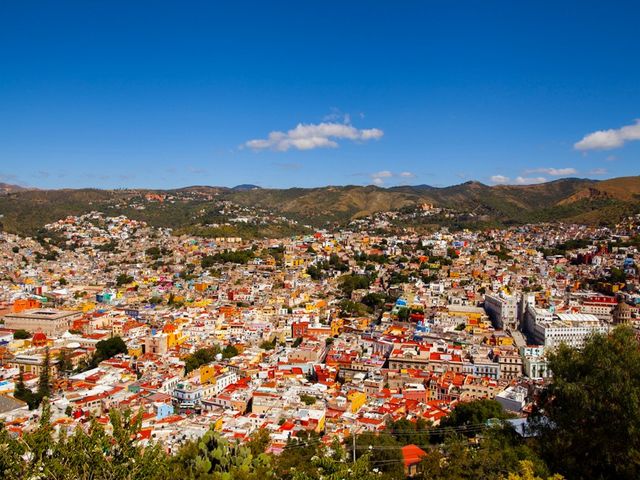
(502, 310)
(599, 305)
(512, 398)
(191, 394)
(572, 329)
(534, 363)
(533, 316)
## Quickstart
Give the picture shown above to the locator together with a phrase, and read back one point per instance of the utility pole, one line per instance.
(353, 439)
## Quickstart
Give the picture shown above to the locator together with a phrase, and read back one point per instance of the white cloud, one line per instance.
(310, 136)
(500, 179)
(598, 171)
(555, 172)
(529, 180)
(379, 178)
(337, 115)
(520, 180)
(608, 139)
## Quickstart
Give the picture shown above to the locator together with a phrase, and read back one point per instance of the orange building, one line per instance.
(25, 304)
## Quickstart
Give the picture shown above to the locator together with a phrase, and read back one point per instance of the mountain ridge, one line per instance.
(568, 199)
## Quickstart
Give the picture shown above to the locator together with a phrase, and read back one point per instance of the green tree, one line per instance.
(351, 282)
(105, 349)
(403, 314)
(259, 441)
(240, 257)
(474, 413)
(590, 413)
(526, 472)
(617, 275)
(109, 348)
(407, 432)
(90, 454)
(213, 457)
(10, 455)
(374, 300)
(229, 351)
(23, 393)
(295, 459)
(21, 334)
(315, 272)
(268, 345)
(331, 468)
(493, 456)
(200, 357)
(469, 418)
(44, 382)
(351, 308)
(308, 399)
(382, 450)
(123, 279)
(65, 365)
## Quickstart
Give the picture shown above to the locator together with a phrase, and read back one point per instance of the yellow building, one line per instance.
(357, 400)
(218, 424)
(175, 335)
(469, 312)
(336, 326)
(208, 373)
(135, 351)
(362, 323)
(88, 306)
(293, 261)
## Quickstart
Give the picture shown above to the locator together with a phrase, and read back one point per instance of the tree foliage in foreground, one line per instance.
(591, 429)
(90, 453)
(494, 456)
(213, 457)
(593, 408)
(80, 454)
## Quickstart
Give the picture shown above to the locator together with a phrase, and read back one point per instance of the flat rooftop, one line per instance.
(42, 314)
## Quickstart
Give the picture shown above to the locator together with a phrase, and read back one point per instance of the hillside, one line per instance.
(9, 188)
(570, 199)
(623, 188)
(326, 203)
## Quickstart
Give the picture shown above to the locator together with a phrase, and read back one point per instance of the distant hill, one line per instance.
(569, 199)
(8, 188)
(512, 204)
(245, 186)
(621, 188)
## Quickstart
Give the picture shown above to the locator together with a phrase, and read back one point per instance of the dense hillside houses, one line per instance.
(333, 332)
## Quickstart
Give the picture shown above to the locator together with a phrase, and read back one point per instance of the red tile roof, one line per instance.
(412, 454)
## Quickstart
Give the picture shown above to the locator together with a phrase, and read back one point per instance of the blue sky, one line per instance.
(168, 94)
